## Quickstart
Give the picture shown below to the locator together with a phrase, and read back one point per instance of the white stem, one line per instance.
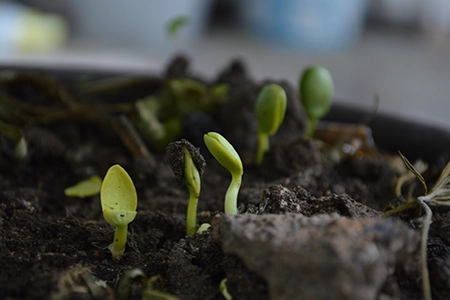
(423, 248)
(232, 194)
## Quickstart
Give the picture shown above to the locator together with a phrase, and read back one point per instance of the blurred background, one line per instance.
(398, 49)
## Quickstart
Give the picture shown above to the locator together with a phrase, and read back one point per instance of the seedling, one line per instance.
(225, 154)
(119, 201)
(187, 165)
(316, 92)
(270, 109)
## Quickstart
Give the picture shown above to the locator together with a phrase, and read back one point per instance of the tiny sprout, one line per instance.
(225, 154)
(223, 289)
(204, 227)
(316, 92)
(119, 201)
(85, 188)
(270, 109)
(124, 286)
(187, 165)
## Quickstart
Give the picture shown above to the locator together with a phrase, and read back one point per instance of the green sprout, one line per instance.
(316, 92)
(270, 109)
(223, 289)
(225, 154)
(119, 201)
(187, 165)
(85, 188)
(204, 227)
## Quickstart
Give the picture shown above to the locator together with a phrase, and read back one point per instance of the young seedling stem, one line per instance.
(187, 165)
(225, 154)
(192, 179)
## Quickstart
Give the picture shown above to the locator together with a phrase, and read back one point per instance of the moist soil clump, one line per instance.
(308, 227)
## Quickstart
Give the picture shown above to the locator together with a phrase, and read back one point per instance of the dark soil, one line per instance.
(308, 229)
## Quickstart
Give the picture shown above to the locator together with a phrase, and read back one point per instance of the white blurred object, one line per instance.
(139, 23)
(27, 29)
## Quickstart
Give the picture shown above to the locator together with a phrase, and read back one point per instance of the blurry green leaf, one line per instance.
(316, 91)
(270, 108)
(175, 25)
(86, 188)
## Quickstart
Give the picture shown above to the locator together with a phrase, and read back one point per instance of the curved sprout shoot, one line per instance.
(225, 154)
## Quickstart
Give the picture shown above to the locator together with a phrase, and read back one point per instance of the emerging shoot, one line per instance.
(316, 92)
(119, 201)
(187, 165)
(270, 109)
(223, 289)
(225, 154)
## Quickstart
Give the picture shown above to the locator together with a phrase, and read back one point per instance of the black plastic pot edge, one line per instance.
(394, 133)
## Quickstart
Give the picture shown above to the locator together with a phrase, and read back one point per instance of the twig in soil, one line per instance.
(130, 137)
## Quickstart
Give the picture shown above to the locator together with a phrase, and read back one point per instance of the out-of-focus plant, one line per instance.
(158, 117)
(270, 108)
(316, 93)
(149, 293)
(85, 188)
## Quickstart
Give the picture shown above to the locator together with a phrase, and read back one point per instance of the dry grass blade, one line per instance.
(419, 176)
(443, 179)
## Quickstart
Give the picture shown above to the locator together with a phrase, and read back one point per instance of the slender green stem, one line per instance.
(232, 194)
(117, 247)
(191, 216)
(423, 249)
(310, 127)
(263, 147)
(400, 208)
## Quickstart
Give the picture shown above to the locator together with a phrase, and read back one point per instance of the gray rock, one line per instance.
(321, 257)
